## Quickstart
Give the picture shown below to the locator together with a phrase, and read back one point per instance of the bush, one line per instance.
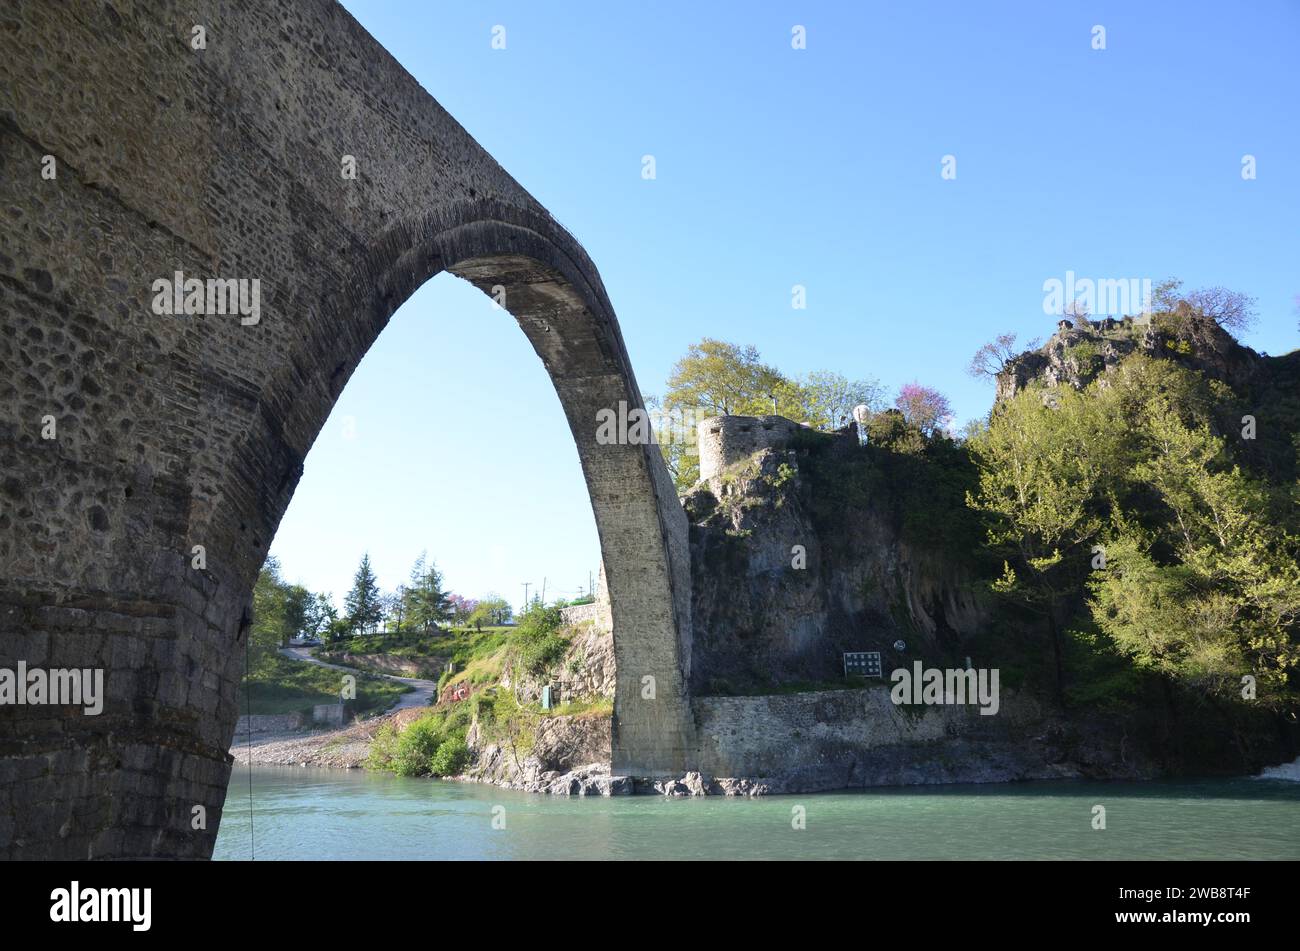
(434, 744)
(416, 747)
(1087, 358)
(536, 644)
(451, 757)
(382, 748)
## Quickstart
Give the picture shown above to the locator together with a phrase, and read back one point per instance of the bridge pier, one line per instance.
(175, 435)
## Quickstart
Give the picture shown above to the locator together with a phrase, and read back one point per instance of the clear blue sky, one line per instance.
(778, 167)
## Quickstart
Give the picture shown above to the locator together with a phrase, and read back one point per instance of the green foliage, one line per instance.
(336, 631)
(920, 482)
(483, 707)
(724, 379)
(280, 611)
(436, 743)
(890, 430)
(416, 746)
(827, 399)
(1086, 356)
(425, 602)
(268, 632)
(450, 758)
(475, 656)
(321, 616)
(1213, 593)
(600, 706)
(282, 685)
(784, 474)
(432, 745)
(383, 748)
(510, 725)
(1126, 493)
(363, 605)
(1101, 678)
(491, 610)
(535, 644)
(716, 378)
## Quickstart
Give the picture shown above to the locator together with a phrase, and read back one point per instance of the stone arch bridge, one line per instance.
(127, 155)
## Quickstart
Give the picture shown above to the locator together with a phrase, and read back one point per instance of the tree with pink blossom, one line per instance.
(461, 608)
(924, 407)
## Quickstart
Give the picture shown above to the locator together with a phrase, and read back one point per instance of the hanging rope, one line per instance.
(248, 706)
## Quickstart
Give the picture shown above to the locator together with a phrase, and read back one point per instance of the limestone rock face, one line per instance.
(585, 672)
(570, 756)
(588, 667)
(1076, 355)
(762, 621)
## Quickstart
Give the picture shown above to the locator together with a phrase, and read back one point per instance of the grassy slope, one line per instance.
(290, 686)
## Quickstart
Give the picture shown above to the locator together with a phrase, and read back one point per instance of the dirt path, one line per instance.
(420, 696)
(346, 747)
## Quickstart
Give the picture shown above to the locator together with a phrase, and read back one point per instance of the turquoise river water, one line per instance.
(306, 813)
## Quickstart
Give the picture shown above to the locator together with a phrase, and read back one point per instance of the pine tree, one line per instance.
(363, 604)
(427, 602)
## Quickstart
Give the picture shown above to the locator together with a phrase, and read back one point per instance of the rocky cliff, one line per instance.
(1082, 350)
(1267, 388)
(801, 554)
(814, 544)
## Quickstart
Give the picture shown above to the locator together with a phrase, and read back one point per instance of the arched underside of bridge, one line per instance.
(172, 432)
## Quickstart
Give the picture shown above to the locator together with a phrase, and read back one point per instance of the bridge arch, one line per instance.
(183, 433)
(549, 285)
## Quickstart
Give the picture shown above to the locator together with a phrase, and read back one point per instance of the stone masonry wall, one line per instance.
(836, 739)
(597, 613)
(726, 440)
(131, 529)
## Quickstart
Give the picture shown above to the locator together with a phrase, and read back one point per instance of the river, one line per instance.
(304, 813)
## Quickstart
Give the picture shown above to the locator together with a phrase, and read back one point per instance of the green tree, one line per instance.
(1194, 571)
(1041, 469)
(363, 604)
(1209, 592)
(724, 379)
(717, 378)
(427, 602)
(298, 606)
(267, 630)
(536, 643)
(492, 610)
(321, 613)
(827, 399)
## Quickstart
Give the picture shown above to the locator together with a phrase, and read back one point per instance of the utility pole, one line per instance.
(591, 591)
(543, 590)
(526, 584)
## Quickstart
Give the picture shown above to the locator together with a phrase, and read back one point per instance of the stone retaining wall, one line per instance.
(268, 723)
(836, 739)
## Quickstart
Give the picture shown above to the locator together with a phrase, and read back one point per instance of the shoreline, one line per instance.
(347, 748)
